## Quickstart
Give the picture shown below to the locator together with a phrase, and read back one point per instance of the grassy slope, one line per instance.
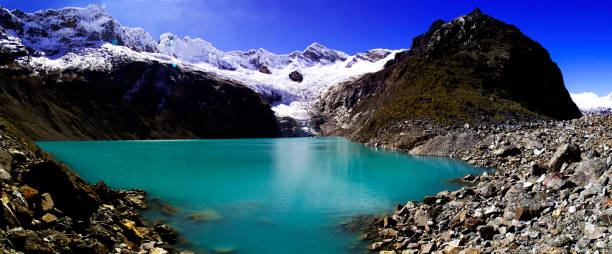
(448, 91)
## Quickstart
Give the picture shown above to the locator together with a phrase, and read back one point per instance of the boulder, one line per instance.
(71, 193)
(264, 69)
(48, 218)
(565, 154)
(28, 191)
(429, 200)
(375, 246)
(106, 194)
(46, 203)
(296, 76)
(28, 241)
(166, 233)
(486, 232)
(18, 156)
(421, 217)
(4, 175)
(588, 171)
(5, 161)
(592, 231)
(388, 222)
(506, 151)
(537, 169)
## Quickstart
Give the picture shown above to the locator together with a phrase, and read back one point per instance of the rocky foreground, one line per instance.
(47, 208)
(549, 194)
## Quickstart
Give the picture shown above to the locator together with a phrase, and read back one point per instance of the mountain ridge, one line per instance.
(470, 71)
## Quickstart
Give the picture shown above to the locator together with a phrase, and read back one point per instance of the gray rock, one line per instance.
(565, 154)
(5, 160)
(421, 217)
(18, 156)
(486, 232)
(537, 169)
(532, 144)
(4, 175)
(592, 232)
(506, 151)
(588, 171)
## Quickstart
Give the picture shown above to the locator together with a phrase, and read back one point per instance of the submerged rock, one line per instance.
(207, 215)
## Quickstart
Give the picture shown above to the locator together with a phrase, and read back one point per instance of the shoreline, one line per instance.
(549, 193)
(47, 208)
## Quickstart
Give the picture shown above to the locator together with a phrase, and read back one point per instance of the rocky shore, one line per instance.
(47, 208)
(549, 193)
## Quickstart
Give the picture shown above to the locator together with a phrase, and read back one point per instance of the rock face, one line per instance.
(474, 69)
(296, 76)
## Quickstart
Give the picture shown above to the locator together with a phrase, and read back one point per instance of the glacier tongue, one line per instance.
(89, 38)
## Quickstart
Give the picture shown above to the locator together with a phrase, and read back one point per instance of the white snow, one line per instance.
(59, 31)
(298, 98)
(589, 101)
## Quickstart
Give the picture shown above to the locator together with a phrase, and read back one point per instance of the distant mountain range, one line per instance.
(90, 38)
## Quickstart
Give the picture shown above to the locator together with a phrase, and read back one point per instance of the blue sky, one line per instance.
(578, 34)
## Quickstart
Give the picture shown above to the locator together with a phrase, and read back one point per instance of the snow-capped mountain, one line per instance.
(89, 38)
(56, 32)
(589, 102)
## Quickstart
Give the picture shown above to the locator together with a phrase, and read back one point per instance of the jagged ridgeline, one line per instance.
(114, 93)
(474, 69)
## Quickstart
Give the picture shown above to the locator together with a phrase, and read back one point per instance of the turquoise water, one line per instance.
(263, 195)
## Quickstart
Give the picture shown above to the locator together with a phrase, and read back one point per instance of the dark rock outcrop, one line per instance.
(264, 69)
(66, 187)
(296, 76)
(474, 69)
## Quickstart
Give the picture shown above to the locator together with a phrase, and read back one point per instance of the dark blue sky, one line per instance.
(578, 34)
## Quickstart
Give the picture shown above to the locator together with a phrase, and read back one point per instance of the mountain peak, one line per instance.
(57, 32)
(315, 45)
(476, 11)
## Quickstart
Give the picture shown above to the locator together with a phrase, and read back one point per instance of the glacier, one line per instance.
(90, 39)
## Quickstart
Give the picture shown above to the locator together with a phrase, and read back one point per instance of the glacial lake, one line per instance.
(285, 195)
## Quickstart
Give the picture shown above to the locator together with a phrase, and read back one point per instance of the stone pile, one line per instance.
(550, 193)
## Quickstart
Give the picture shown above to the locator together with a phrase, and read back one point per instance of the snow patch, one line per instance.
(591, 102)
